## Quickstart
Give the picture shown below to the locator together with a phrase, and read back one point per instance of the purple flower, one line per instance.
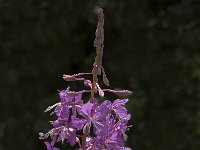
(74, 102)
(63, 95)
(78, 123)
(108, 138)
(66, 96)
(69, 134)
(103, 110)
(112, 136)
(95, 114)
(120, 110)
(64, 130)
(62, 111)
(50, 147)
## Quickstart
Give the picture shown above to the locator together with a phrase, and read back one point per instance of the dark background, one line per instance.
(152, 47)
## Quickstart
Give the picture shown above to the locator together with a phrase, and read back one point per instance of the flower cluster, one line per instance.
(90, 124)
(108, 121)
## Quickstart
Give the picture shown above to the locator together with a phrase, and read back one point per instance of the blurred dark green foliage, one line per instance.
(151, 47)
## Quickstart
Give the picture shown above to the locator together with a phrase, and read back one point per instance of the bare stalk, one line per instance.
(98, 43)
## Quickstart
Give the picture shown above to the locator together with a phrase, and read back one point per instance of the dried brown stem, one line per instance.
(98, 43)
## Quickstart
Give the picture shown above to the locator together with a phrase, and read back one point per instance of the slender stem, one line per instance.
(84, 138)
(83, 141)
(93, 86)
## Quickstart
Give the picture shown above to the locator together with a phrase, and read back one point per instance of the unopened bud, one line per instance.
(72, 78)
(122, 92)
(88, 83)
(69, 78)
(101, 93)
(105, 80)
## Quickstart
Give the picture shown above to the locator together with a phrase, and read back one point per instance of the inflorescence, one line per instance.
(91, 125)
